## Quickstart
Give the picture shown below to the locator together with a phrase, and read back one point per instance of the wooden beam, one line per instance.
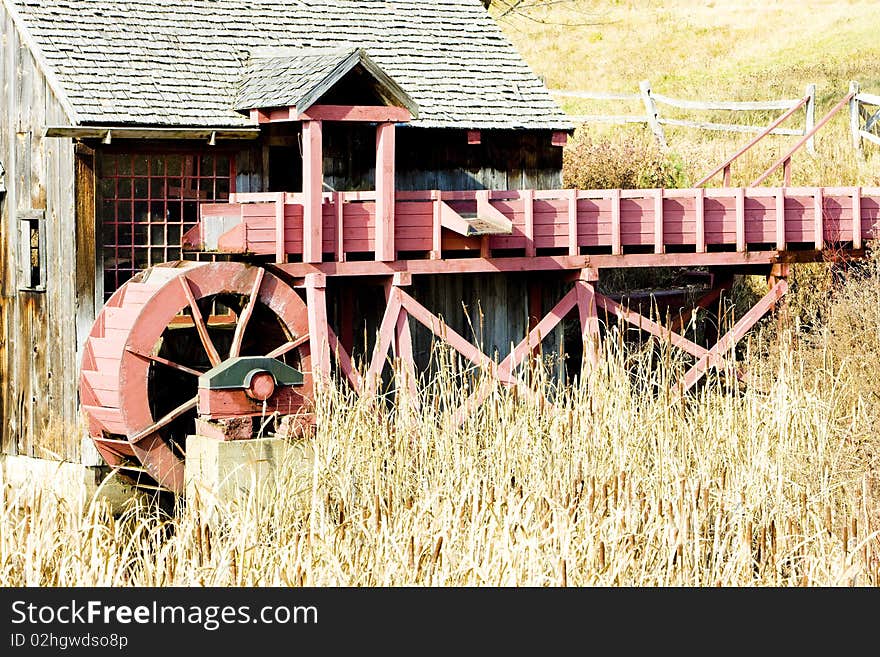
(857, 218)
(384, 237)
(319, 344)
(363, 113)
(543, 263)
(739, 329)
(313, 183)
(700, 220)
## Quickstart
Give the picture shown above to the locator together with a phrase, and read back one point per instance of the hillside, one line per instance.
(706, 50)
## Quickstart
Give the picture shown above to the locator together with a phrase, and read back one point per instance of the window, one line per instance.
(146, 201)
(32, 245)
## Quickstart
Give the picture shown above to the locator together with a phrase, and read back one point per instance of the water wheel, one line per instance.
(153, 339)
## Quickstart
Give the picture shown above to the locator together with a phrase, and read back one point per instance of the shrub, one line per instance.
(621, 160)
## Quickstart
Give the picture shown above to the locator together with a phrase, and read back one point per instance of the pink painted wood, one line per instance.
(363, 113)
(319, 344)
(606, 223)
(384, 221)
(740, 328)
(313, 183)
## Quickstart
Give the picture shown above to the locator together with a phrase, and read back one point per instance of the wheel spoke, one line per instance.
(287, 346)
(207, 343)
(245, 316)
(164, 361)
(164, 420)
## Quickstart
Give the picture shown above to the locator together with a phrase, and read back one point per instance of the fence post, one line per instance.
(854, 116)
(810, 119)
(652, 113)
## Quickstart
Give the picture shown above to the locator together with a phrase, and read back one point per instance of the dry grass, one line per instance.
(619, 485)
(691, 49)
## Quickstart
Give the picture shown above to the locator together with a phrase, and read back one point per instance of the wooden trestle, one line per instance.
(576, 231)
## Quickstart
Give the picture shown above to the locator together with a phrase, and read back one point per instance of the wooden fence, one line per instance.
(864, 122)
(652, 101)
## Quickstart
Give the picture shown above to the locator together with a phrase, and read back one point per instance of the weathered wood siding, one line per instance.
(425, 159)
(38, 361)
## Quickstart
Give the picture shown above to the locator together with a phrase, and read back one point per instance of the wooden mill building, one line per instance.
(121, 118)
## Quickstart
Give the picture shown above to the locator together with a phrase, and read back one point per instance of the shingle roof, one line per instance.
(300, 77)
(178, 63)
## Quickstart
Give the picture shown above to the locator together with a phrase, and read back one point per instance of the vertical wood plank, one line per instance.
(385, 192)
(857, 218)
(658, 222)
(340, 228)
(528, 200)
(319, 345)
(572, 222)
(482, 197)
(819, 218)
(780, 219)
(700, 220)
(740, 195)
(436, 226)
(313, 183)
(616, 248)
(280, 246)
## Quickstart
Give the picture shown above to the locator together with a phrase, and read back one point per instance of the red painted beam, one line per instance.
(313, 183)
(364, 113)
(384, 239)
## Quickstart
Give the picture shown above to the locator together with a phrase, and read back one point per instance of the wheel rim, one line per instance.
(161, 335)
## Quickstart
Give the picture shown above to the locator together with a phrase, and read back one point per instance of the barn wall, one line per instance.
(37, 328)
(425, 159)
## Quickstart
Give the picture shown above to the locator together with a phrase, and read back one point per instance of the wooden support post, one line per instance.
(589, 316)
(652, 114)
(384, 236)
(700, 219)
(384, 339)
(616, 247)
(280, 246)
(436, 226)
(319, 344)
(572, 222)
(402, 342)
(819, 218)
(740, 219)
(810, 117)
(658, 222)
(482, 196)
(528, 199)
(340, 227)
(780, 219)
(854, 116)
(857, 218)
(313, 185)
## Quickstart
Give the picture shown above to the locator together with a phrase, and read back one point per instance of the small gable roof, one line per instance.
(300, 79)
(169, 63)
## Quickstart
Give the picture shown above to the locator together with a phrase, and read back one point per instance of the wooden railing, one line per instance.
(554, 222)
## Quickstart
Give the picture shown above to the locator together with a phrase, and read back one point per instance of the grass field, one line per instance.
(743, 51)
(773, 484)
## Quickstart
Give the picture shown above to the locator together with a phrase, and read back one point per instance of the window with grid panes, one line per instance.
(147, 201)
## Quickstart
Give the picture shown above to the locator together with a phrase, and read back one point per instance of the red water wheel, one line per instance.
(157, 334)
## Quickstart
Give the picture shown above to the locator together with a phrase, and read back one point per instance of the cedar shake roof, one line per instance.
(181, 62)
(299, 79)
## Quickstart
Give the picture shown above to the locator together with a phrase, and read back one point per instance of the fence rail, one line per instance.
(864, 123)
(864, 110)
(655, 121)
